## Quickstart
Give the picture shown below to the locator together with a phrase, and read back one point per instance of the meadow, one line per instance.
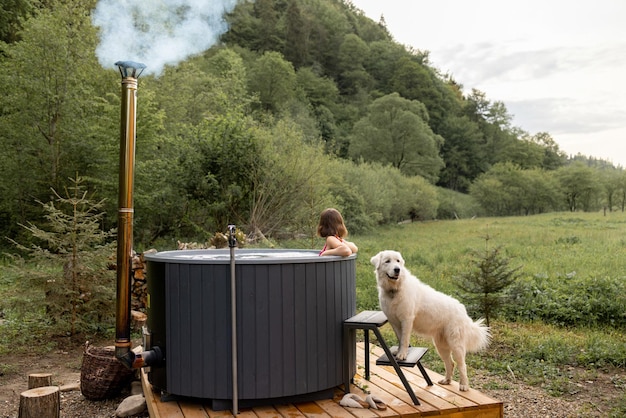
(564, 318)
(549, 246)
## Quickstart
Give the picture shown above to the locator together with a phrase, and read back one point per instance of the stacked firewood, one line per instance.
(139, 287)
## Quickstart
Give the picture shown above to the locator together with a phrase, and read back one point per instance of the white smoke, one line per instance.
(157, 32)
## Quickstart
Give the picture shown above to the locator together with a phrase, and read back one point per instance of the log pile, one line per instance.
(139, 284)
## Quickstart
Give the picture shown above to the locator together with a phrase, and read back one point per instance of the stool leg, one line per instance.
(366, 337)
(426, 376)
(397, 368)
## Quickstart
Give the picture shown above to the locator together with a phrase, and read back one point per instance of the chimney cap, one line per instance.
(130, 68)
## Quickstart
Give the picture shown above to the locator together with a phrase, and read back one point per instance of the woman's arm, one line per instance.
(352, 246)
(334, 246)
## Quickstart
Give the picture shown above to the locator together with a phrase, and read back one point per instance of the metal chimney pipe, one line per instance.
(130, 71)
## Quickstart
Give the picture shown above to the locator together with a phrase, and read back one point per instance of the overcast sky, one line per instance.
(558, 66)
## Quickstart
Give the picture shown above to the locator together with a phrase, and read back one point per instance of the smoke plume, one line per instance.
(157, 32)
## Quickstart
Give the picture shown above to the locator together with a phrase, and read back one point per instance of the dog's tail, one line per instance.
(478, 336)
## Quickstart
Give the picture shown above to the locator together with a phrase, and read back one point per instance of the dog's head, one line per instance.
(389, 265)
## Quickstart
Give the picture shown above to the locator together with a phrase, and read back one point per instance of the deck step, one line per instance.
(365, 318)
(413, 357)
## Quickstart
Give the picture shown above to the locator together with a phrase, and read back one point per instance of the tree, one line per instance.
(622, 190)
(610, 180)
(297, 33)
(353, 78)
(396, 132)
(553, 157)
(484, 285)
(506, 189)
(268, 36)
(80, 296)
(416, 81)
(216, 174)
(381, 63)
(273, 79)
(289, 189)
(52, 108)
(463, 152)
(322, 94)
(11, 14)
(579, 185)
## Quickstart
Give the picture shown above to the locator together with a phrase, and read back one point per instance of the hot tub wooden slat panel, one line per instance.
(310, 303)
(301, 333)
(247, 330)
(173, 326)
(213, 333)
(278, 341)
(260, 348)
(195, 363)
(288, 319)
(320, 357)
(222, 384)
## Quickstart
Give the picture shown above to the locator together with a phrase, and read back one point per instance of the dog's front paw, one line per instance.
(444, 381)
(401, 355)
(464, 388)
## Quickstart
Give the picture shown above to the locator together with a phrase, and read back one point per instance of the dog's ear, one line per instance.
(374, 260)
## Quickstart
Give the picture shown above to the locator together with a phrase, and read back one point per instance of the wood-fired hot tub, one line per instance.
(290, 308)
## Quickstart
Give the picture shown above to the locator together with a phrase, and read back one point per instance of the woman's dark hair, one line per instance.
(331, 223)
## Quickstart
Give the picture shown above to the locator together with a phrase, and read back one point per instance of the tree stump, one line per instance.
(37, 380)
(42, 402)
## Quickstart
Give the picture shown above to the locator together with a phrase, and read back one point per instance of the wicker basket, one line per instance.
(102, 376)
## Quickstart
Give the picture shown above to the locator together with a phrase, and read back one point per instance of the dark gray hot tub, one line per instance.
(290, 308)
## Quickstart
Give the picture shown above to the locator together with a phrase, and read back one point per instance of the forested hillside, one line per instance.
(301, 105)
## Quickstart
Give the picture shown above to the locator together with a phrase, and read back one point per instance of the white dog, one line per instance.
(411, 305)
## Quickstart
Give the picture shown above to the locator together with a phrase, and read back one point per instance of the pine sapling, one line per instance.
(484, 284)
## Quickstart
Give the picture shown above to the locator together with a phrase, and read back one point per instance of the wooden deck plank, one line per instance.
(245, 413)
(170, 409)
(332, 408)
(192, 410)
(217, 414)
(311, 410)
(288, 411)
(267, 412)
(437, 400)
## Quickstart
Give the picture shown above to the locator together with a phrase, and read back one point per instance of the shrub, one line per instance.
(569, 300)
(456, 205)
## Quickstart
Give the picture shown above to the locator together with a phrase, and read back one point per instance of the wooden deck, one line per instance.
(437, 400)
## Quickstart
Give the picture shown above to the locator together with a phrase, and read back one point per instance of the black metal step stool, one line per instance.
(373, 320)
